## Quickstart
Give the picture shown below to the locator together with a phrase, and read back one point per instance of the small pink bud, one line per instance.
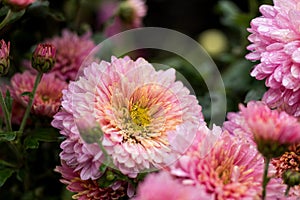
(43, 58)
(4, 57)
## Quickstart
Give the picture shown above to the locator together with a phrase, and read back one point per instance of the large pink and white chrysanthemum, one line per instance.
(145, 116)
(231, 168)
(48, 94)
(275, 38)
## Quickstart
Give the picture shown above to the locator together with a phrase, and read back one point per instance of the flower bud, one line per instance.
(4, 57)
(131, 12)
(43, 58)
(291, 178)
(17, 5)
(126, 12)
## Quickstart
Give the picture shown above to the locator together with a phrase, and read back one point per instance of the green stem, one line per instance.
(6, 19)
(31, 98)
(287, 191)
(265, 177)
(7, 117)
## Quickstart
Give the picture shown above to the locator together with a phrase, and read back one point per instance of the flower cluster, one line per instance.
(127, 130)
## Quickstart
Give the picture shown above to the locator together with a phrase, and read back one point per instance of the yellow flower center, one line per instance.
(139, 115)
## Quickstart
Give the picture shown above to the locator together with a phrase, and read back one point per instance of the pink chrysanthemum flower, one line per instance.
(71, 50)
(48, 95)
(89, 189)
(273, 131)
(275, 43)
(162, 186)
(144, 114)
(230, 169)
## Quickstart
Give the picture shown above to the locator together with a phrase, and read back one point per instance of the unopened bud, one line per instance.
(126, 12)
(4, 57)
(43, 58)
(291, 178)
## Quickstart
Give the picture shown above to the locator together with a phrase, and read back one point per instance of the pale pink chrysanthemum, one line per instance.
(231, 169)
(48, 95)
(272, 130)
(89, 189)
(275, 38)
(144, 114)
(71, 51)
(129, 15)
(162, 186)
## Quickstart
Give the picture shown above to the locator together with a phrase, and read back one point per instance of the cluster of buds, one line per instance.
(4, 57)
(43, 58)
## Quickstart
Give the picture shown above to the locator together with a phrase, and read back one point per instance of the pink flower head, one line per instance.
(275, 43)
(43, 58)
(162, 186)
(145, 116)
(4, 57)
(284, 100)
(89, 189)
(48, 95)
(19, 4)
(272, 130)
(71, 50)
(231, 169)
(129, 15)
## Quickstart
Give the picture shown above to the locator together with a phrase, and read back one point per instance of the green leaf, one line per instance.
(4, 175)
(26, 94)
(45, 135)
(4, 164)
(255, 94)
(8, 136)
(31, 143)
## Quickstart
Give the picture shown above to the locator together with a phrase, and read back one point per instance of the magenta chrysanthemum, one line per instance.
(162, 186)
(230, 169)
(71, 50)
(275, 38)
(48, 95)
(89, 189)
(270, 128)
(142, 113)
